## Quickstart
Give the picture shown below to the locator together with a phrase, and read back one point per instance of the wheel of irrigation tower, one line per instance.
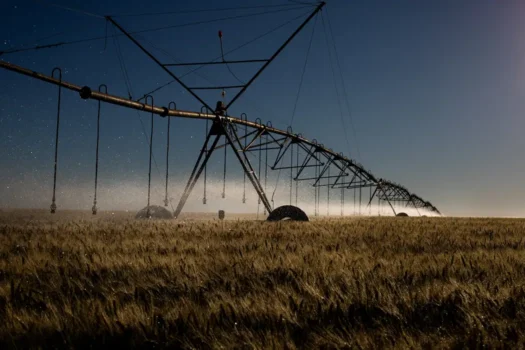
(401, 214)
(287, 212)
(154, 212)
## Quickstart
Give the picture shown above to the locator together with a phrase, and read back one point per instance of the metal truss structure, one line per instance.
(252, 142)
(282, 149)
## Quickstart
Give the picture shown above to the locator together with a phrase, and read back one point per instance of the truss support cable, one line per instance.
(150, 156)
(345, 93)
(317, 9)
(303, 72)
(72, 9)
(157, 61)
(122, 64)
(229, 9)
(53, 201)
(63, 43)
(228, 52)
(94, 209)
(335, 84)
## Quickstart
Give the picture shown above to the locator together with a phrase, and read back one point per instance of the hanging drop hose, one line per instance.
(205, 165)
(266, 167)
(259, 170)
(245, 118)
(355, 190)
(370, 206)
(296, 176)
(328, 193)
(360, 188)
(171, 105)
(223, 60)
(53, 201)
(224, 175)
(342, 200)
(354, 204)
(94, 209)
(148, 213)
(291, 172)
(315, 191)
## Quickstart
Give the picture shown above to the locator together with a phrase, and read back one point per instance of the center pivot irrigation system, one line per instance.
(268, 147)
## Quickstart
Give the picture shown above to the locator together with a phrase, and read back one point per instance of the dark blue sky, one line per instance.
(435, 89)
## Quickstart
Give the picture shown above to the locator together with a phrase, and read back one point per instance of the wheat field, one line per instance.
(71, 281)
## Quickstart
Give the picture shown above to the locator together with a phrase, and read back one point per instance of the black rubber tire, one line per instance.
(288, 212)
(155, 212)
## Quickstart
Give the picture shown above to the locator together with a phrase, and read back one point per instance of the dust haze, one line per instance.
(132, 196)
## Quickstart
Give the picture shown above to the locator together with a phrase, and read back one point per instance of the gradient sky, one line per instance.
(435, 90)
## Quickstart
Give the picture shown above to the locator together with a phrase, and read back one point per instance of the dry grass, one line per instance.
(361, 283)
